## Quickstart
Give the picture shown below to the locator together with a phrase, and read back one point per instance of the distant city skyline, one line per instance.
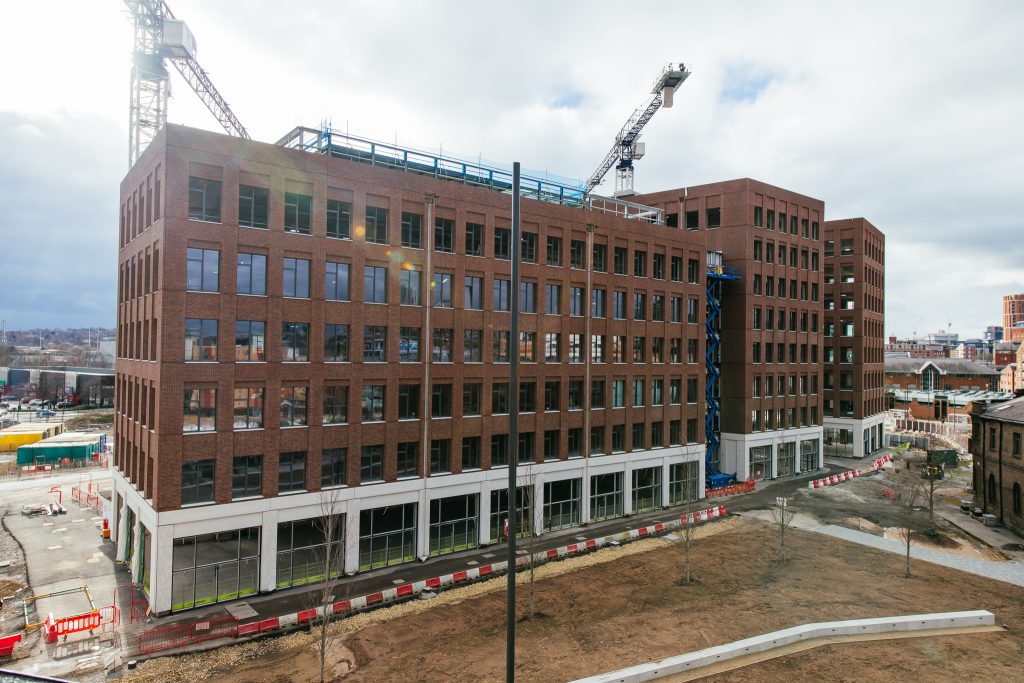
(914, 130)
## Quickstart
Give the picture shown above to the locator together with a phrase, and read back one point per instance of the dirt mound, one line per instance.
(938, 539)
(861, 524)
(9, 587)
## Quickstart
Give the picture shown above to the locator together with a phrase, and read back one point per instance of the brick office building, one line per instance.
(291, 323)
(997, 433)
(1013, 317)
(771, 320)
(853, 352)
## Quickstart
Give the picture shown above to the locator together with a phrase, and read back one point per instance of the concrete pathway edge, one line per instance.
(692, 661)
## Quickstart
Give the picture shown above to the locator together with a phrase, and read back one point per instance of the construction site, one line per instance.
(381, 412)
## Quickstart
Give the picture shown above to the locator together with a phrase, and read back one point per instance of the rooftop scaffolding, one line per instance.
(329, 142)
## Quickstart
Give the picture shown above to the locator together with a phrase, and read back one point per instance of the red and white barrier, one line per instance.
(834, 479)
(408, 590)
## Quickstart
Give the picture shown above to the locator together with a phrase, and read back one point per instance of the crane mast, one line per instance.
(160, 38)
(627, 147)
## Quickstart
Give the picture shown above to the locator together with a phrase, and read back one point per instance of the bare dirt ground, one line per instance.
(633, 609)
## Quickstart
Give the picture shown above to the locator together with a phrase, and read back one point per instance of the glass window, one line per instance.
(200, 410)
(339, 219)
(527, 297)
(407, 458)
(336, 284)
(499, 398)
(371, 465)
(409, 286)
(412, 230)
(442, 288)
(373, 402)
(204, 199)
(387, 536)
(440, 456)
(248, 410)
(246, 476)
(441, 400)
(501, 350)
(291, 471)
(502, 243)
(295, 342)
(552, 299)
(529, 247)
(335, 405)
(375, 285)
(474, 239)
(200, 340)
(297, 210)
(335, 343)
(252, 206)
(620, 256)
(442, 348)
(409, 344)
(578, 254)
(408, 401)
(502, 295)
(576, 301)
(293, 406)
(600, 258)
(202, 270)
(472, 346)
(471, 398)
(473, 293)
(554, 250)
(197, 482)
(296, 278)
(444, 235)
(250, 340)
(376, 225)
(252, 274)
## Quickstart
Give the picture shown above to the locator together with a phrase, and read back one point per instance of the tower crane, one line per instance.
(627, 147)
(160, 38)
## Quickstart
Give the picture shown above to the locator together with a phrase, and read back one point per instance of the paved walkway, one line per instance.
(1010, 572)
(995, 537)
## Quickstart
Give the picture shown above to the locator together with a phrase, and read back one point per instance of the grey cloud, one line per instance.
(59, 179)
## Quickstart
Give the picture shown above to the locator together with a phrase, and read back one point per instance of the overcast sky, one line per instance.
(909, 114)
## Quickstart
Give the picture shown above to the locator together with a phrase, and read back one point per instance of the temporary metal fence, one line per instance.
(182, 635)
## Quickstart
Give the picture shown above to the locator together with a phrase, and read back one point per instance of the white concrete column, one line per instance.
(775, 459)
(115, 515)
(352, 537)
(483, 510)
(585, 496)
(627, 489)
(268, 551)
(423, 525)
(538, 505)
(163, 569)
(122, 531)
(666, 468)
(137, 560)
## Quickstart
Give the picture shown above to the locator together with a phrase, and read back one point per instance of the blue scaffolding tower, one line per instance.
(717, 274)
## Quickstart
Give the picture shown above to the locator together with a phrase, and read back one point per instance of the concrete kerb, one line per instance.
(951, 622)
(275, 626)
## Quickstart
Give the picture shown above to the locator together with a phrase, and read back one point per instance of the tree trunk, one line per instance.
(906, 573)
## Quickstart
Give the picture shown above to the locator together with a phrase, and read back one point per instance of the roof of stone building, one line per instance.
(946, 366)
(1008, 411)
